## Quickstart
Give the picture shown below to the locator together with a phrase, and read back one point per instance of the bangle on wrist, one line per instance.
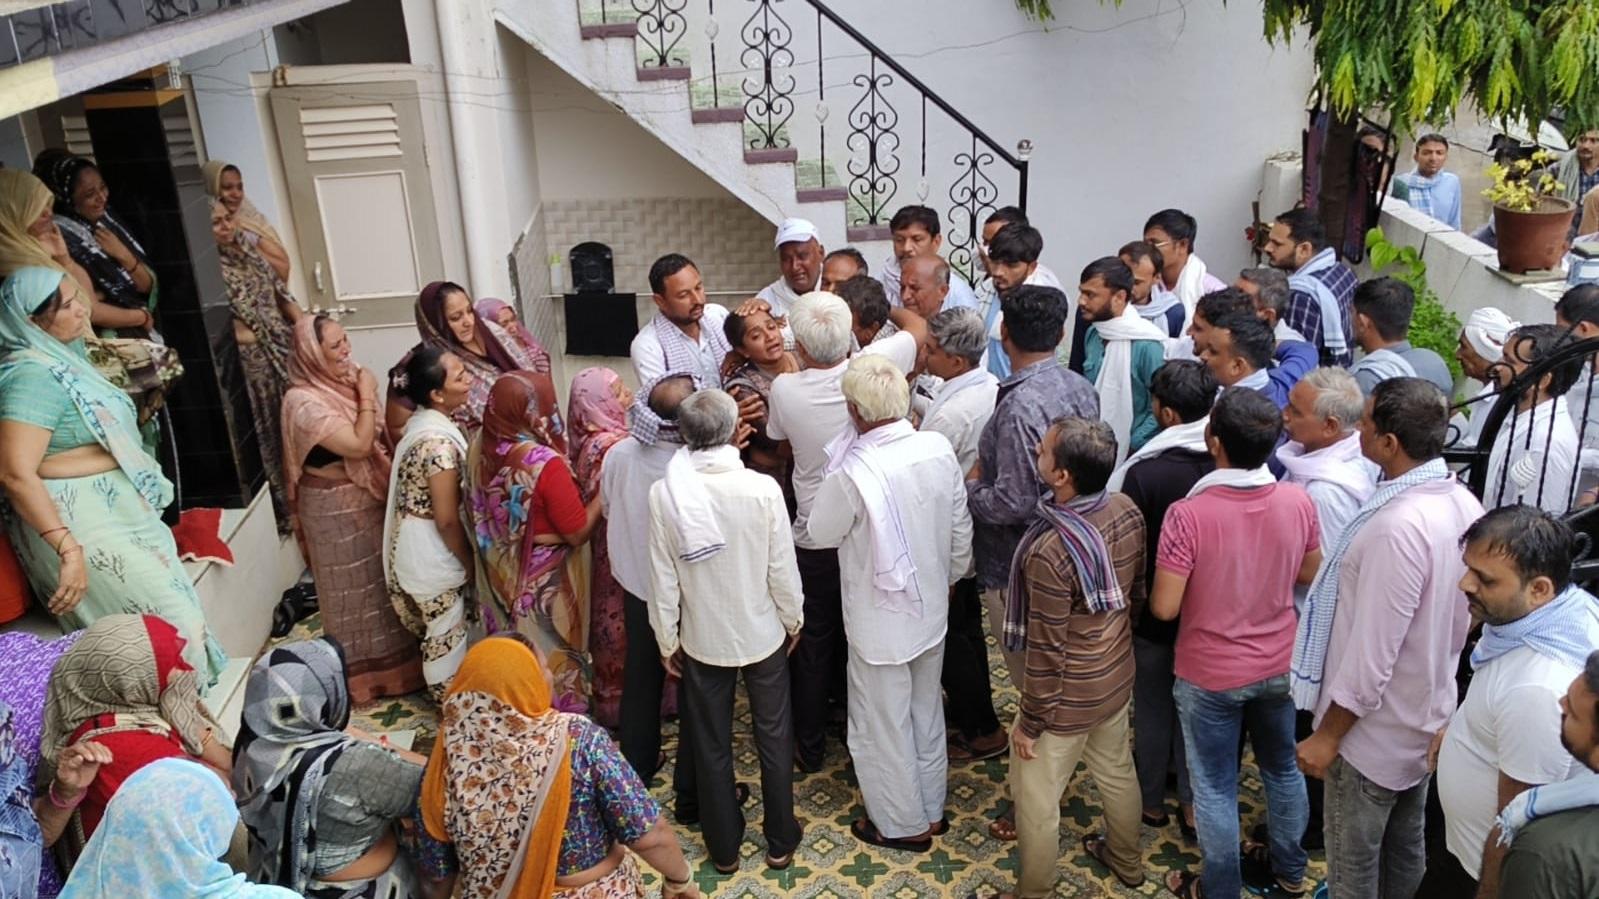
(74, 548)
(65, 805)
(687, 879)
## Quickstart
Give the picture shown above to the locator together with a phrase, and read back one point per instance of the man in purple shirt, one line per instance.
(1003, 489)
(1378, 643)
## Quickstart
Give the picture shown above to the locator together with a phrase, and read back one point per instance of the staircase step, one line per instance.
(724, 114)
(663, 73)
(867, 232)
(610, 29)
(771, 155)
(820, 194)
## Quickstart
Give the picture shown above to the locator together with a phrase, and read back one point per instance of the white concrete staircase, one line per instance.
(665, 100)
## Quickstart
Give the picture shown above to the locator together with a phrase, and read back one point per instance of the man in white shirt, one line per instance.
(1323, 454)
(959, 410)
(799, 257)
(916, 232)
(1173, 232)
(806, 410)
(725, 604)
(631, 468)
(894, 500)
(1538, 629)
(686, 332)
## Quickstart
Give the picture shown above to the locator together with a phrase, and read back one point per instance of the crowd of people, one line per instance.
(1196, 517)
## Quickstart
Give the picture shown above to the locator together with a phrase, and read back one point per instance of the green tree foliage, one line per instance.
(1515, 60)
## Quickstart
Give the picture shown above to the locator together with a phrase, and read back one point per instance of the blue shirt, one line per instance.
(1438, 196)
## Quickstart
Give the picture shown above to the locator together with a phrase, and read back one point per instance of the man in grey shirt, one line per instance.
(1003, 489)
(1383, 307)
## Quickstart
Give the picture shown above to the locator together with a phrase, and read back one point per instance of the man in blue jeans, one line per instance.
(1229, 556)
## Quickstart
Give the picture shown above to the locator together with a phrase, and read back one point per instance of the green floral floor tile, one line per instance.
(832, 864)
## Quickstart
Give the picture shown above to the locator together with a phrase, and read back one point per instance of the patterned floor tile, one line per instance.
(832, 864)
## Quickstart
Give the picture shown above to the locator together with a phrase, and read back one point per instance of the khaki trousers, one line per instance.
(1015, 660)
(1038, 784)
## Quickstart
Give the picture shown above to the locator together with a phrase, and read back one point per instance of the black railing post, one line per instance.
(821, 113)
(872, 121)
(768, 105)
(661, 26)
(712, 29)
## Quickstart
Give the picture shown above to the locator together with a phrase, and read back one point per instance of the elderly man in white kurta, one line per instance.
(894, 501)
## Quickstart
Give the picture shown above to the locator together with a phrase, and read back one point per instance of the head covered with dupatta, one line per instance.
(501, 757)
(320, 401)
(246, 216)
(23, 198)
(435, 329)
(595, 420)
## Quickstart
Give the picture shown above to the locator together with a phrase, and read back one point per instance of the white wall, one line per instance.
(229, 121)
(1130, 109)
(590, 150)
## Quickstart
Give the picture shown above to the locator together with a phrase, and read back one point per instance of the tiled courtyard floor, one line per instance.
(831, 863)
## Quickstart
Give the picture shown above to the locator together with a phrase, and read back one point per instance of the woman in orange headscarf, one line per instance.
(510, 775)
(336, 477)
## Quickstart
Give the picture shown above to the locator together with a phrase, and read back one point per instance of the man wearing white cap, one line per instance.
(799, 255)
(1482, 345)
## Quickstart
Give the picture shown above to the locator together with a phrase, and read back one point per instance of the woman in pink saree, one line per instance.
(596, 420)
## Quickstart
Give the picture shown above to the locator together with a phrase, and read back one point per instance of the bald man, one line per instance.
(924, 286)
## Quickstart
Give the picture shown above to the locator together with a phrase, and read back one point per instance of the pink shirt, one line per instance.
(1400, 624)
(1241, 550)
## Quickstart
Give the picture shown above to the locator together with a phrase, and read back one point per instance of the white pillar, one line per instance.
(472, 80)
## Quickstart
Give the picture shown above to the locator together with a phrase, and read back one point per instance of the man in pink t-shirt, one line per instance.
(1228, 560)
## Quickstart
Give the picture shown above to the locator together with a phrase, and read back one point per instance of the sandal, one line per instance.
(940, 827)
(1184, 885)
(726, 870)
(867, 832)
(1003, 827)
(1094, 844)
(779, 862)
(1156, 822)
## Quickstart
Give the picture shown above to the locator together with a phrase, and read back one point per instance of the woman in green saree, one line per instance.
(84, 499)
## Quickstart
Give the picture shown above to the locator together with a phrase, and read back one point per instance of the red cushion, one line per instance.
(14, 592)
(199, 536)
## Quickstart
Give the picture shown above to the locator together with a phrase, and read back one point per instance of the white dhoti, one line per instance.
(896, 738)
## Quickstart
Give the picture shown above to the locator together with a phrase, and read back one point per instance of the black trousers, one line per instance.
(817, 664)
(643, 679)
(970, 707)
(707, 692)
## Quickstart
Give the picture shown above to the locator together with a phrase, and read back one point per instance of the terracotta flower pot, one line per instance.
(1531, 241)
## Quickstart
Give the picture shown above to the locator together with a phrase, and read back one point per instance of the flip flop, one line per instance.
(867, 832)
(1003, 827)
(1184, 885)
(1094, 845)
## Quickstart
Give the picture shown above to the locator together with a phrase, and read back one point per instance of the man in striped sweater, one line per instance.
(1078, 569)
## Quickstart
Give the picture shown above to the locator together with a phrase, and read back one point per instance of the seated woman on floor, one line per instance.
(164, 835)
(319, 801)
(125, 686)
(79, 484)
(520, 800)
(25, 665)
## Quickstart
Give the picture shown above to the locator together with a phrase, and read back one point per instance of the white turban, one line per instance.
(1486, 331)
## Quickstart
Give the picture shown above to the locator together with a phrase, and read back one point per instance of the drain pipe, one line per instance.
(468, 53)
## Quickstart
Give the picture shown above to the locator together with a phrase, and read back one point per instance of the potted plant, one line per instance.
(1530, 223)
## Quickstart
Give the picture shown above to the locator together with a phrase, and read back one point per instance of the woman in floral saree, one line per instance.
(531, 527)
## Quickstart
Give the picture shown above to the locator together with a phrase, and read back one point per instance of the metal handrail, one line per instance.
(1019, 164)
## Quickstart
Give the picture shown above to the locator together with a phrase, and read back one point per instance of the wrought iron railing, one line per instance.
(895, 125)
(1513, 428)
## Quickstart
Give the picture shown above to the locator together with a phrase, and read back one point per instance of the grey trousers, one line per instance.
(707, 694)
(1375, 842)
(896, 739)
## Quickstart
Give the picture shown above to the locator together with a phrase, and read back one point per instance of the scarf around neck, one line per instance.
(977, 377)
(866, 460)
(643, 424)
(1321, 601)
(1341, 465)
(1581, 791)
(1115, 381)
(1188, 436)
(1332, 317)
(1237, 478)
(1565, 629)
(1384, 364)
(1085, 546)
(699, 534)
